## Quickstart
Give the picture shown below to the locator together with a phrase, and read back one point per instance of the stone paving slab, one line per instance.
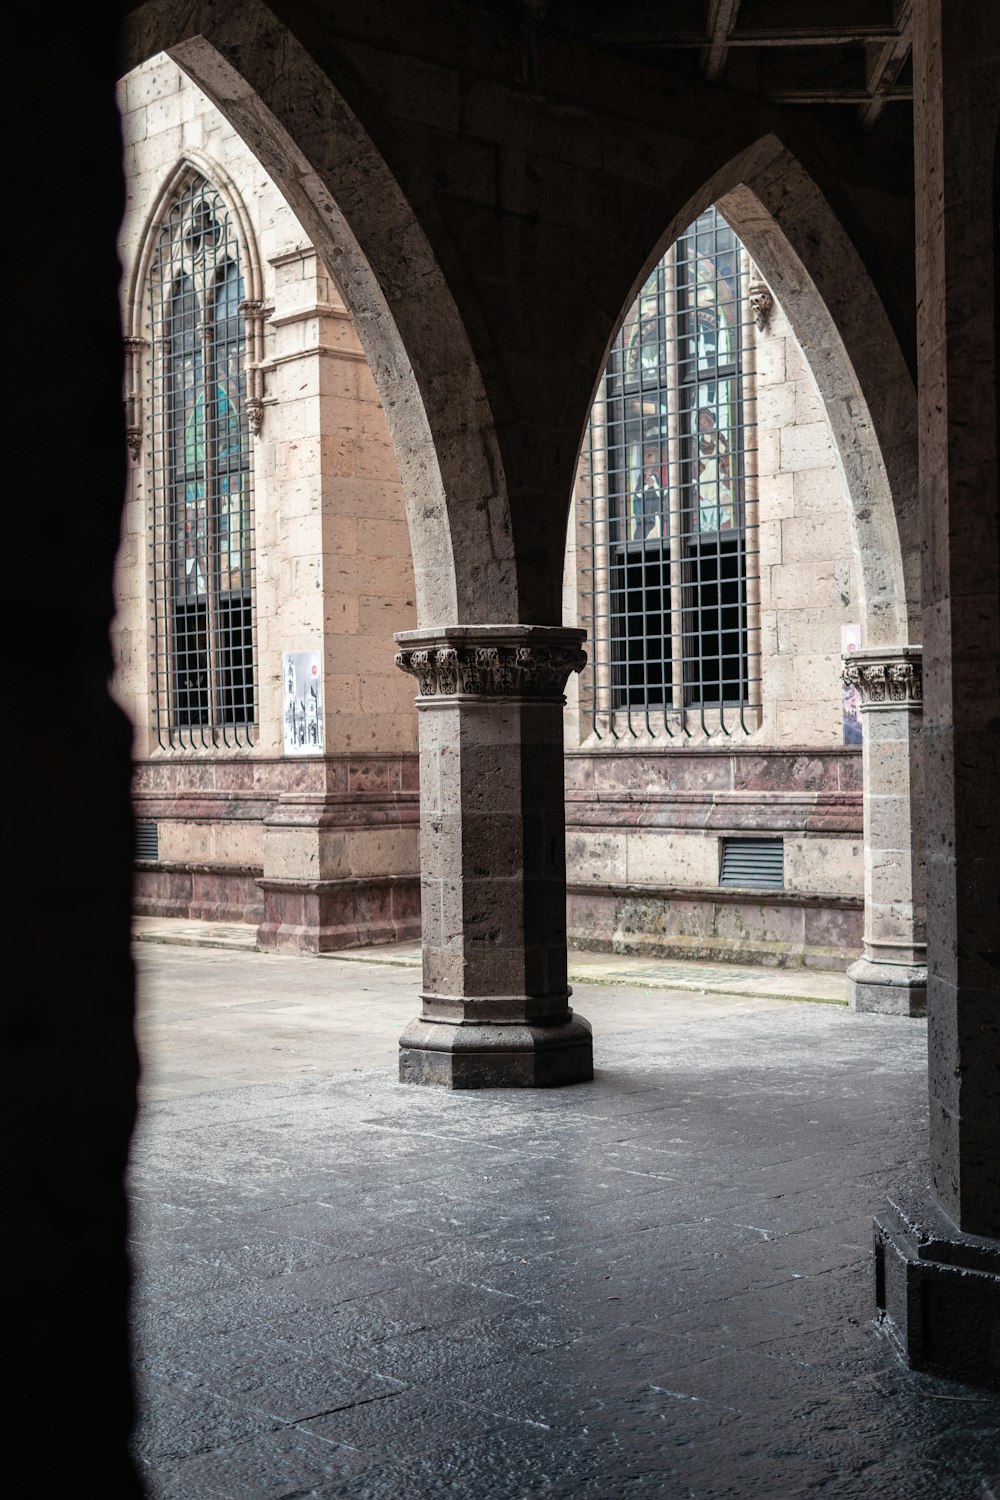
(584, 967)
(657, 1284)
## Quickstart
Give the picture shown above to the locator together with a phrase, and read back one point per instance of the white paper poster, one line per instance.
(303, 702)
(850, 640)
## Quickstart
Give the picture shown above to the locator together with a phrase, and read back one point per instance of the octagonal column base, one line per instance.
(482, 1055)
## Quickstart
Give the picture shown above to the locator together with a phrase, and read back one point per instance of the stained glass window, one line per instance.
(203, 506)
(664, 499)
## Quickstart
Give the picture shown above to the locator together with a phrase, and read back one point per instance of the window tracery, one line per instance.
(668, 519)
(202, 531)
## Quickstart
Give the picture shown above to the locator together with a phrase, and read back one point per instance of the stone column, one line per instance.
(493, 859)
(938, 1244)
(891, 975)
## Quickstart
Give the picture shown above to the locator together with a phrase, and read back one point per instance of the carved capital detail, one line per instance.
(761, 305)
(886, 679)
(480, 663)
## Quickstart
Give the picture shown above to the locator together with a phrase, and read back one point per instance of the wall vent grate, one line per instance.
(147, 841)
(757, 864)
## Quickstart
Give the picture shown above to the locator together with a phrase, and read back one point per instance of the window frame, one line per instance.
(219, 336)
(644, 678)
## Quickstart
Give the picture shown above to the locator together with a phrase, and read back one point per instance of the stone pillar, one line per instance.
(938, 1244)
(891, 975)
(493, 859)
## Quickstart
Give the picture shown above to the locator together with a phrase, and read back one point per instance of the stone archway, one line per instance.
(495, 1001)
(870, 402)
(809, 261)
(258, 76)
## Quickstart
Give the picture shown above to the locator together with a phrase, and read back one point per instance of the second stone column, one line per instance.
(495, 996)
(891, 975)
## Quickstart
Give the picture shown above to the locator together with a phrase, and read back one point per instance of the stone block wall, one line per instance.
(317, 850)
(334, 572)
(646, 814)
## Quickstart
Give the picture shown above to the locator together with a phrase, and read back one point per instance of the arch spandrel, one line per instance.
(304, 134)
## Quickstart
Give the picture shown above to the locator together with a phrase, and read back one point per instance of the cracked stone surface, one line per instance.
(655, 1284)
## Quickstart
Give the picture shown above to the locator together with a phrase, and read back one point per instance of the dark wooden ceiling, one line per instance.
(855, 54)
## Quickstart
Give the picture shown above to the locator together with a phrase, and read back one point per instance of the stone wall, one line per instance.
(241, 829)
(647, 812)
(334, 572)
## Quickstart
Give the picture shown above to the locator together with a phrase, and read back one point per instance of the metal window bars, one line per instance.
(667, 504)
(203, 670)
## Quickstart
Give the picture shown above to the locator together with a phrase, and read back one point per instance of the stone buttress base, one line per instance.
(937, 1290)
(887, 989)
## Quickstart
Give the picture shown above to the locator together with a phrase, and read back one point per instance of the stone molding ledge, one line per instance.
(488, 662)
(886, 677)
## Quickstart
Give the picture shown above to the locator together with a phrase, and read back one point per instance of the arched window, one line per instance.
(666, 511)
(203, 674)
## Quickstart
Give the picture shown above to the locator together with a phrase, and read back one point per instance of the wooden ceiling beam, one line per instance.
(685, 41)
(884, 65)
(833, 95)
(721, 20)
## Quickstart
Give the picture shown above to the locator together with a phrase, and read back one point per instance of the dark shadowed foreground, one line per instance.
(658, 1283)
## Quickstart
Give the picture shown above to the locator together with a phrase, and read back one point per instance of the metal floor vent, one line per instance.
(756, 863)
(147, 841)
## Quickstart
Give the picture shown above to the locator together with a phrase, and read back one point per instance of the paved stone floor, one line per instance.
(656, 1284)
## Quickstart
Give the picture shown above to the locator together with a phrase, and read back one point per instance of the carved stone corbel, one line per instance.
(761, 305)
(133, 394)
(254, 313)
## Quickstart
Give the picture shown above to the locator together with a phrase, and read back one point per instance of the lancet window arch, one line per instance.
(667, 499)
(204, 675)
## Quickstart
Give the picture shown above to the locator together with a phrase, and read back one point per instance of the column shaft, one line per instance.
(937, 1252)
(493, 861)
(891, 975)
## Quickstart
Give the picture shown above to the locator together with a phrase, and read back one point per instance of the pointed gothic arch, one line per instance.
(192, 317)
(367, 235)
(807, 257)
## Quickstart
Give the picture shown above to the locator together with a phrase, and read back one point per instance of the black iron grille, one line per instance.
(147, 841)
(203, 555)
(758, 864)
(668, 502)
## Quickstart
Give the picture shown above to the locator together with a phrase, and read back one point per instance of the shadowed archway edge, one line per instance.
(309, 141)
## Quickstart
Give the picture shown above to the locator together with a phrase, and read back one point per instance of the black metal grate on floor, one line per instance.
(755, 863)
(147, 841)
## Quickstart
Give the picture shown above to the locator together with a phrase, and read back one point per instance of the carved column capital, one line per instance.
(491, 661)
(888, 677)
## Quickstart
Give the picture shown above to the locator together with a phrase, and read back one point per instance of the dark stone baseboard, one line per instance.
(485, 1056)
(322, 916)
(937, 1290)
(769, 929)
(199, 892)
